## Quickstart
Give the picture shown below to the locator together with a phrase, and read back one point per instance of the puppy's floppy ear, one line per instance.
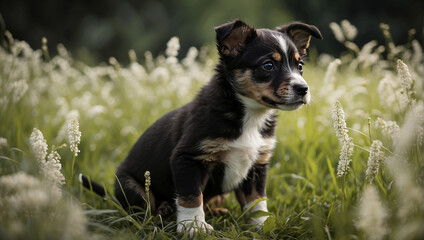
(231, 38)
(301, 34)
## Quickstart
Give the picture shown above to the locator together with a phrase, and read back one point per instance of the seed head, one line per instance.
(389, 127)
(337, 31)
(74, 135)
(376, 156)
(344, 138)
(349, 30)
(3, 143)
(51, 170)
(172, 47)
(406, 81)
(147, 181)
(372, 215)
(38, 145)
(345, 157)
(339, 121)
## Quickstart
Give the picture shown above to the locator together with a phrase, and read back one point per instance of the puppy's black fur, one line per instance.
(223, 139)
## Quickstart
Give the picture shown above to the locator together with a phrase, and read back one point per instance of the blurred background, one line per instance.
(95, 30)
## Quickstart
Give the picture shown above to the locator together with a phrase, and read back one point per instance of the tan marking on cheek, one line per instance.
(247, 87)
(276, 56)
(297, 57)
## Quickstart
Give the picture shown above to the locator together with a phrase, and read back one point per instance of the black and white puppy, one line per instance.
(222, 140)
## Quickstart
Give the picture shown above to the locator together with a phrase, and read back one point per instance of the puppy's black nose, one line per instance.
(301, 89)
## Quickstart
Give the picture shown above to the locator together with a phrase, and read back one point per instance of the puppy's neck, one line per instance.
(255, 114)
(252, 105)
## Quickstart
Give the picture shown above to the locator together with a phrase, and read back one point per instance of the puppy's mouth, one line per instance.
(287, 106)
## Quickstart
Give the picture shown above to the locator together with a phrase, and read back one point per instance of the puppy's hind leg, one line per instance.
(131, 193)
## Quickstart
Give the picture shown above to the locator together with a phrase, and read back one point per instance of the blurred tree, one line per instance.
(95, 30)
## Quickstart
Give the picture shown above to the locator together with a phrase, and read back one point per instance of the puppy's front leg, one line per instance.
(252, 189)
(188, 175)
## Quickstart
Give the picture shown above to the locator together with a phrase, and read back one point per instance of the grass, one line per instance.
(114, 104)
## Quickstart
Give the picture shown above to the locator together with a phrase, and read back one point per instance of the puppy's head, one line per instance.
(265, 66)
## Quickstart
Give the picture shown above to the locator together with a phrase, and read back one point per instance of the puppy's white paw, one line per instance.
(192, 220)
(194, 226)
(258, 222)
(260, 206)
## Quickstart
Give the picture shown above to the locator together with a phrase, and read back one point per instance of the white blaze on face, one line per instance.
(283, 43)
(284, 47)
(298, 79)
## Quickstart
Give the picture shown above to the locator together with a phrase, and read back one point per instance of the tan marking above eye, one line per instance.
(297, 56)
(276, 56)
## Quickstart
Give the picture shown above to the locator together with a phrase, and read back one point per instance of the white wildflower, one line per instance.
(172, 47)
(337, 31)
(160, 74)
(390, 128)
(38, 145)
(324, 60)
(150, 65)
(26, 203)
(349, 30)
(411, 195)
(114, 63)
(76, 222)
(191, 57)
(404, 75)
(405, 78)
(339, 121)
(372, 215)
(95, 110)
(19, 88)
(418, 52)
(376, 156)
(3, 143)
(388, 92)
(23, 194)
(329, 81)
(132, 55)
(345, 157)
(346, 152)
(419, 113)
(63, 52)
(51, 170)
(329, 77)
(74, 135)
(411, 130)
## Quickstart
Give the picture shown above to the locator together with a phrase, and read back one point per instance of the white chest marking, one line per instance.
(243, 152)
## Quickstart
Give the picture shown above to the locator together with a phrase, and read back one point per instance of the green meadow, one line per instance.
(347, 166)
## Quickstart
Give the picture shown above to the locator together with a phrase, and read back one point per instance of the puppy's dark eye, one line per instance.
(300, 67)
(268, 66)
